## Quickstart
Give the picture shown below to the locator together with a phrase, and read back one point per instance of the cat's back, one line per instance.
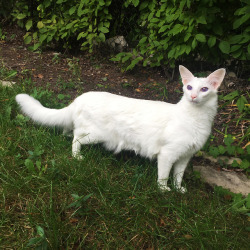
(105, 100)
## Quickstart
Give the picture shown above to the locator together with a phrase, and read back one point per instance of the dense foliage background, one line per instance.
(157, 31)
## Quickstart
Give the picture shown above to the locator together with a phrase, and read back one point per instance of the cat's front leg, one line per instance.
(179, 169)
(164, 167)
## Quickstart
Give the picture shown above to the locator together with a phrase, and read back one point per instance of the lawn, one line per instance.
(52, 201)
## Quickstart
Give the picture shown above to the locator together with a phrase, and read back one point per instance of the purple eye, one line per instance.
(189, 87)
(204, 89)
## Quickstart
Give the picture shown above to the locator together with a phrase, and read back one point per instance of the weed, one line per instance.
(39, 242)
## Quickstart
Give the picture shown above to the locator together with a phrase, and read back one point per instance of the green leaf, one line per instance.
(211, 41)
(42, 38)
(201, 38)
(201, 20)
(126, 58)
(101, 2)
(21, 16)
(235, 48)
(82, 34)
(224, 47)
(241, 103)
(40, 25)
(72, 10)
(163, 28)
(154, 20)
(28, 25)
(245, 164)
(36, 46)
(235, 39)
(237, 53)
(104, 30)
(27, 39)
(134, 62)
(187, 36)
(143, 40)
(248, 149)
(30, 166)
(228, 140)
(214, 151)
(34, 241)
(40, 231)
(177, 29)
(231, 95)
(222, 149)
(135, 2)
(61, 96)
(143, 5)
(102, 37)
(194, 43)
(171, 53)
(230, 149)
(240, 21)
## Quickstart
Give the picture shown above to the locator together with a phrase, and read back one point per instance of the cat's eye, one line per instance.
(204, 89)
(189, 87)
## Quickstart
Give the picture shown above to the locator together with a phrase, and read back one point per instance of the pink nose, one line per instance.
(193, 96)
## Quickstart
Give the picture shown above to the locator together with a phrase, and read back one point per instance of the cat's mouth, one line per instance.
(194, 101)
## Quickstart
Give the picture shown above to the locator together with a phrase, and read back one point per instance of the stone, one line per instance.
(7, 83)
(233, 181)
(231, 74)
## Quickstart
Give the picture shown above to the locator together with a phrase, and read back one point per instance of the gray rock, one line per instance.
(235, 182)
(231, 74)
(7, 83)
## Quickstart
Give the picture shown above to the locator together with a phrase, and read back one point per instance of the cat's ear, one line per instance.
(216, 78)
(186, 75)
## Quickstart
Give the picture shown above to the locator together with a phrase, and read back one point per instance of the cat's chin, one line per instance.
(194, 102)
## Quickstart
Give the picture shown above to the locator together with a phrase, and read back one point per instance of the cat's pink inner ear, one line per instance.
(186, 75)
(216, 78)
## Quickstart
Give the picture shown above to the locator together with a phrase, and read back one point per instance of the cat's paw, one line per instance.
(78, 157)
(163, 187)
(182, 190)
(162, 184)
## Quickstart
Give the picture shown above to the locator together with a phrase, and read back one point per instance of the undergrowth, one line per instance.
(51, 201)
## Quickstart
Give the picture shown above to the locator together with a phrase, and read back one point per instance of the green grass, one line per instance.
(51, 200)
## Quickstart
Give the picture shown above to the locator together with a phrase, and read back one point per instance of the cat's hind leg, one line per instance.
(179, 169)
(78, 140)
(76, 147)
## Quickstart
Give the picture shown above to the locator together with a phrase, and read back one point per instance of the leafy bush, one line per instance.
(174, 30)
(64, 21)
(161, 31)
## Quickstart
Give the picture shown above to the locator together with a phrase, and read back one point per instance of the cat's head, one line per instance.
(199, 90)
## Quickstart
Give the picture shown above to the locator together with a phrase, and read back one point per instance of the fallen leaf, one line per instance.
(188, 236)
(40, 76)
(73, 220)
(162, 223)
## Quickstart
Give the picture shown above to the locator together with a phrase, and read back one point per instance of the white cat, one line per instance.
(170, 132)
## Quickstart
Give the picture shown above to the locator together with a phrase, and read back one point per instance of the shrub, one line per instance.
(64, 21)
(161, 31)
(180, 29)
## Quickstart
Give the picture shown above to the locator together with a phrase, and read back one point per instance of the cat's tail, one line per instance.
(45, 116)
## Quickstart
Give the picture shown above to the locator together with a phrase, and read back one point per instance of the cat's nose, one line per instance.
(193, 96)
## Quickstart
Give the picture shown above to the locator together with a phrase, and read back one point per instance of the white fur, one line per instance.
(170, 132)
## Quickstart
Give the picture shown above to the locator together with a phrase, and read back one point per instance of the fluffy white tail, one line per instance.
(45, 116)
